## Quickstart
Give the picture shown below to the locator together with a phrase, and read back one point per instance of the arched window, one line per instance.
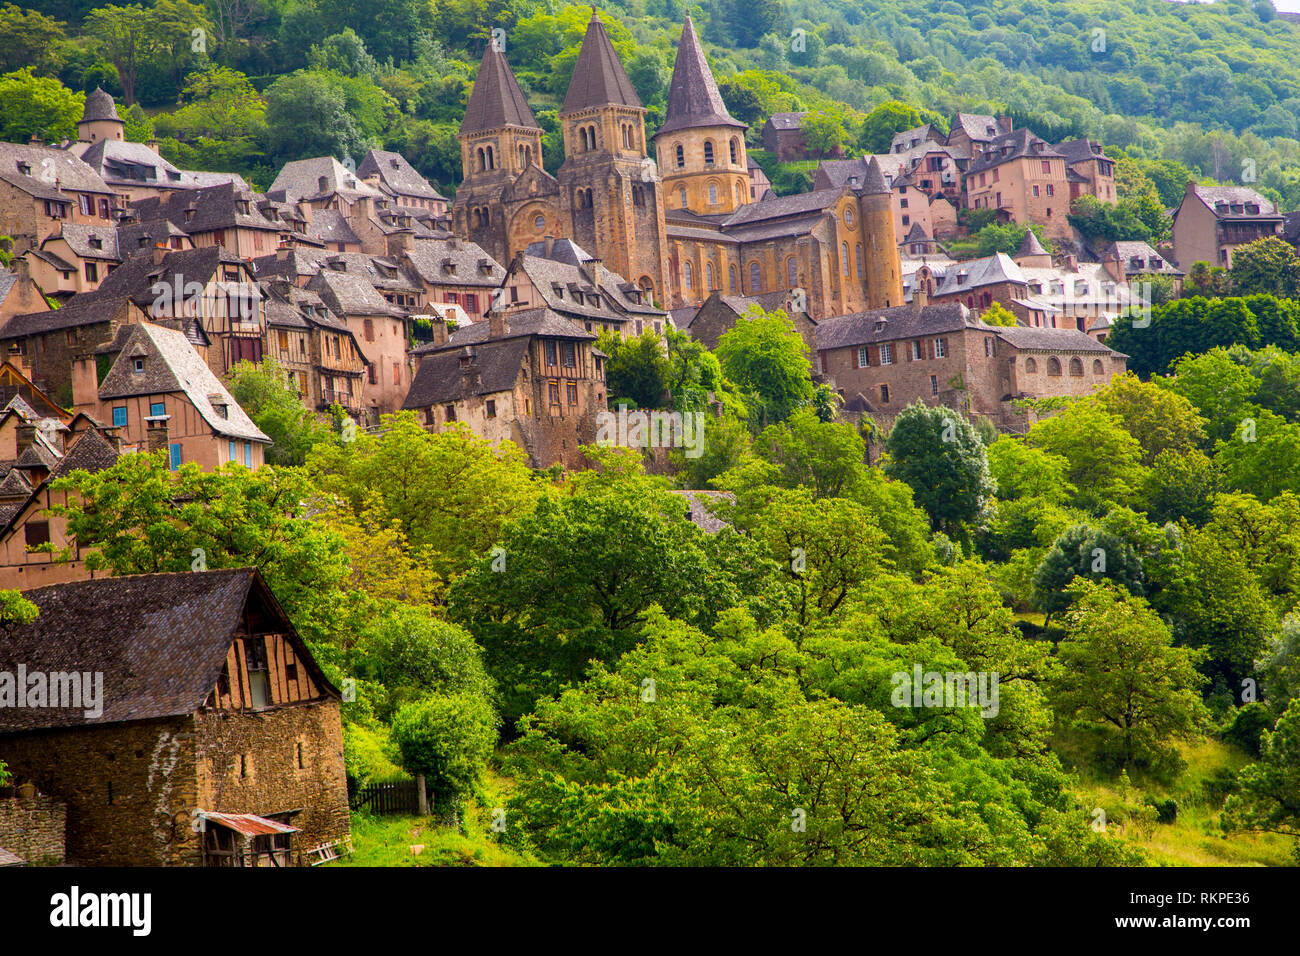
(740, 196)
(1097, 367)
(681, 156)
(1031, 365)
(688, 274)
(844, 258)
(732, 279)
(713, 194)
(681, 196)
(708, 275)
(755, 278)
(491, 158)
(735, 151)
(791, 272)
(1053, 366)
(1076, 366)
(482, 159)
(857, 248)
(591, 136)
(708, 152)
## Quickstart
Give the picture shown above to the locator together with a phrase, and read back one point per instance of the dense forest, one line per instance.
(245, 85)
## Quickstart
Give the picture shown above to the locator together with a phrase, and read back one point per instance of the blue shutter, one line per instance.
(156, 409)
(176, 455)
(233, 454)
(248, 454)
(119, 416)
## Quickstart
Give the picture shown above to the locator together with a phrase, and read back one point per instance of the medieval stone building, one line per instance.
(607, 196)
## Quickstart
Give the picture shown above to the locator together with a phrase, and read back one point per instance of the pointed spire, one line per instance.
(496, 99)
(598, 76)
(693, 97)
(1030, 246)
(874, 181)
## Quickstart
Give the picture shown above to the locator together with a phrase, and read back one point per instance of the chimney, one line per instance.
(469, 369)
(920, 296)
(282, 251)
(438, 329)
(550, 246)
(154, 145)
(157, 434)
(36, 141)
(159, 252)
(498, 324)
(453, 243)
(1006, 123)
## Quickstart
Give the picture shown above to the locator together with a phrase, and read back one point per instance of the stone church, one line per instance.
(683, 226)
(607, 197)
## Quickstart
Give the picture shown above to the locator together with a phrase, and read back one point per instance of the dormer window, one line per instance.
(25, 168)
(138, 366)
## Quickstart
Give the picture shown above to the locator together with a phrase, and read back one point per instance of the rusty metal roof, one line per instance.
(248, 824)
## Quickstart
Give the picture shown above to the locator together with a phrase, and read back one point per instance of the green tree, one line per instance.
(1122, 679)
(1268, 799)
(636, 369)
(269, 397)
(1160, 419)
(996, 314)
(1092, 554)
(883, 122)
(30, 40)
(937, 453)
(1268, 266)
(824, 132)
(37, 106)
(1105, 460)
(763, 355)
(307, 115)
(448, 738)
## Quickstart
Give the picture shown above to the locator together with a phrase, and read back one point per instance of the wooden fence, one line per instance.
(402, 796)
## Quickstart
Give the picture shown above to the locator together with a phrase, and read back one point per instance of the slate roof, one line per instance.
(160, 641)
(562, 268)
(1018, 144)
(523, 324)
(55, 173)
(598, 77)
(787, 121)
(397, 174)
(1030, 246)
(496, 100)
(900, 322)
(978, 126)
(1230, 196)
(441, 377)
(79, 237)
(330, 225)
(974, 273)
(116, 160)
(1051, 340)
(301, 178)
(697, 509)
(99, 106)
(212, 208)
(173, 366)
(1078, 150)
(348, 294)
(431, 259)
(693, 96)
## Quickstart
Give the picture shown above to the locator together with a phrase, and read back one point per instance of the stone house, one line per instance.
(532, 378)
(75, 259)
(1024, 179)
(558, 275)
(33, 829)
(1212, 221)
(1129, 261)
(217, 739)
(158, 392)
(221, 215)
(883, 360)
(1089, 170)
(26, 496)
(19, 294)
(454, 271)
(41, 188)
(721, 312)
(970, 133)
(317, 349)
(391, 173)
(783, 137)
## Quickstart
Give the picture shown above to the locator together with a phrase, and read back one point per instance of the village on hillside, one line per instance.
(136, 291)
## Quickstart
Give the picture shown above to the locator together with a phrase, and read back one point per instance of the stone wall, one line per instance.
(272, 761)
(34, 827)
(129, 788)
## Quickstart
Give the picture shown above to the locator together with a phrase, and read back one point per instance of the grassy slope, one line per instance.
(1195, 839)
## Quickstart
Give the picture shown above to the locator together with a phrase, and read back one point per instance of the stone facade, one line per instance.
(34, 827)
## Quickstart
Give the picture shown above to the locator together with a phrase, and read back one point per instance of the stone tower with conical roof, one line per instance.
(611, 188)
(700, 148)
(883, 272)
(99, 119)
(500, 142)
